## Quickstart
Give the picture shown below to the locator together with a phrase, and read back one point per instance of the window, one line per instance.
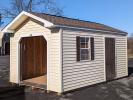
(85, 48)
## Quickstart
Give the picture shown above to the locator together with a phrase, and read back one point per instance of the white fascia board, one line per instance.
(10, 31)
(46, 23)
(9, 25)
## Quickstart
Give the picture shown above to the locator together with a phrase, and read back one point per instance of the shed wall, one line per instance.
(33, 28)
(84, 73)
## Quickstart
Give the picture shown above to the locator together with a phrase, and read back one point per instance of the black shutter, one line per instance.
(92, 49)
(78, 47)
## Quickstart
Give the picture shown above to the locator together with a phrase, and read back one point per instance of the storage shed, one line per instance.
(61, 54)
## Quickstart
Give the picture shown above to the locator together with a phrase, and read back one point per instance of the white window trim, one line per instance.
(89, 48)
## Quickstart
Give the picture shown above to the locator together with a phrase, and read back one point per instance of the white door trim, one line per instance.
(30, 34)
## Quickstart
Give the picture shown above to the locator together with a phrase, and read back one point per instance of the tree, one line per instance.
(46, 6)
(1, 22)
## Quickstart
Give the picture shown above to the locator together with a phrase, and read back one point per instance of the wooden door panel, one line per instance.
(110, 58)
(36, 54)
(27, 58)
(39, 56)
(32, 57)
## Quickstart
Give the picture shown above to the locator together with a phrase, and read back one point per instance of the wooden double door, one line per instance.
(33, 57)
(110, 58)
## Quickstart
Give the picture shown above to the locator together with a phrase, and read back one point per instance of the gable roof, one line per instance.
(50, 21)
(65, 21)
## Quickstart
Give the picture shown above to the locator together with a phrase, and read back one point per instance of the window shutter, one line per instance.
(92, 48)
(78, 47)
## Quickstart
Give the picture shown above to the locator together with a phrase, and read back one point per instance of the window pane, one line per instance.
(82, 39)
(84, 54)
(86, 45)
(84, 51)
(87, 39)
(83, 45)
(83, 57)
(87, 56)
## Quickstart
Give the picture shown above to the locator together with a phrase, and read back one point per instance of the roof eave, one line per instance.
(88, 29)
(23, 13)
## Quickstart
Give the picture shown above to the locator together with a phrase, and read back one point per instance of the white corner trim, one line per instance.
(104, 58)
(46, 23)
(61, 59)
(126, 58)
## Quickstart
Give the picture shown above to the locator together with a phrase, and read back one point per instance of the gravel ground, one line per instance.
(4, 67)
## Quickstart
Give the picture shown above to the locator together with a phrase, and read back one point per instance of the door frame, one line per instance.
(107, 36)
(30, 34)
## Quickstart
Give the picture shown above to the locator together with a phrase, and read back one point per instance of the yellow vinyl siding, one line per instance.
(32, 27)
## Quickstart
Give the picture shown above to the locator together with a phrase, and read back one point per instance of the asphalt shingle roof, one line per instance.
(59, 20)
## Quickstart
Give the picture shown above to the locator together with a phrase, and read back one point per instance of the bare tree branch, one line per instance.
(45, 6)
(30, 5)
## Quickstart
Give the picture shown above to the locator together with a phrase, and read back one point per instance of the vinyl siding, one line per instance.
(84, 73)
(121, 56)
(55, 61)
(33, 28)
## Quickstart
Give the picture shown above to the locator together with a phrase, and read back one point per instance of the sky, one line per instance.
(115, 13)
